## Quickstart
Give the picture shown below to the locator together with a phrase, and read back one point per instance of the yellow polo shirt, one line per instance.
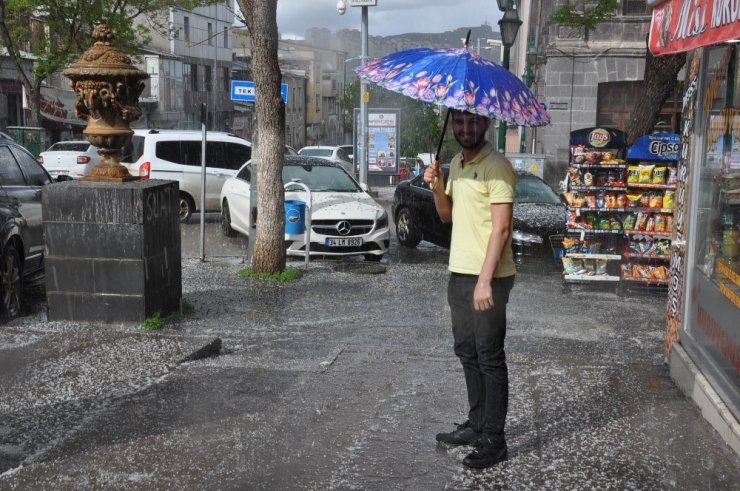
(487, 179)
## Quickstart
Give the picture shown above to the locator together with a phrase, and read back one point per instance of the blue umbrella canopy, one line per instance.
(457, 79)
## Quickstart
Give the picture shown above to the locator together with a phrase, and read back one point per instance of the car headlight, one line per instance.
(382, 221)
(519, 236)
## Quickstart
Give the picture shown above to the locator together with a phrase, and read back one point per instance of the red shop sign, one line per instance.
(683, 25)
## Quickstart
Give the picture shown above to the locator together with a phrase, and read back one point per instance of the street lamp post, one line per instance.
(508, 25)
(364, 94)
(528, 80)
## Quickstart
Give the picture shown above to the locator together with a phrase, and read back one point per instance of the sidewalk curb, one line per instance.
(696, 387)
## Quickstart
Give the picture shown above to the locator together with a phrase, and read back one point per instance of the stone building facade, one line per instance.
(586, 77)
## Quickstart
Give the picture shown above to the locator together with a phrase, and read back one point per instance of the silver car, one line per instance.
(335, 154)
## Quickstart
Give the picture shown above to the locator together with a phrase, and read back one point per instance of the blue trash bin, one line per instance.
(295, 217)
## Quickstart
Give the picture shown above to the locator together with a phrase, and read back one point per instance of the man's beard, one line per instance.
(471, 146)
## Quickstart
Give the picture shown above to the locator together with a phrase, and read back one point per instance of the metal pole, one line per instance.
(364, 96)
(522, 134)
(203, 117)
(501, 123)
(252, 221)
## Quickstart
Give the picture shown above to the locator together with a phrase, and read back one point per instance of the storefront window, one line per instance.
(714, 293)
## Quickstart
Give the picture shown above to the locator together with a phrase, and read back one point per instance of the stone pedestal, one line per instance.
(112, 250)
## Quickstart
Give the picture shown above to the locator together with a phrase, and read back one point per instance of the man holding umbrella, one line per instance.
(478, 200)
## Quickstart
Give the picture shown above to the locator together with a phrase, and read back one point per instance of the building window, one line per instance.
(226, 37)
(186, 27)
(187, 81)
(635, 7)
(617, 103)
(194, 86)
(318, 103)
(223, 79)
(210, 34)
(209, 78)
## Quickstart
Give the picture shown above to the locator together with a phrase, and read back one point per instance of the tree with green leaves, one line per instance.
(660, 71)
(44, 36)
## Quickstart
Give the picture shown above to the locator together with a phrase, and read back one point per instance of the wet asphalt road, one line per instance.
(340, 381)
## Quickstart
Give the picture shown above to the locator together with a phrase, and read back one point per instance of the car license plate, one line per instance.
(343, 242)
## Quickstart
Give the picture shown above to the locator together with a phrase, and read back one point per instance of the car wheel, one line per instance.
(11, 282)
(406, 230)
(187, 207)
(226, 221)
(373, 258)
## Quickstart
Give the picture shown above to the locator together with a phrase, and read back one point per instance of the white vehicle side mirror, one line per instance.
(364, 187)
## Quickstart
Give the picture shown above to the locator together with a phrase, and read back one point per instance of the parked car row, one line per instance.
(21, 232)
(344, 219)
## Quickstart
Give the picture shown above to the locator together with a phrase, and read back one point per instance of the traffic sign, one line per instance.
(244, 91)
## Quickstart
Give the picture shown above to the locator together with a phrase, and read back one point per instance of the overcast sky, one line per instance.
(389, 17)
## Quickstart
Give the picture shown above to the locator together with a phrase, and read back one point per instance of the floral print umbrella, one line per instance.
(457, 79)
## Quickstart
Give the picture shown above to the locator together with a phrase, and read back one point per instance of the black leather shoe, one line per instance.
(485, 456)
(463, 435)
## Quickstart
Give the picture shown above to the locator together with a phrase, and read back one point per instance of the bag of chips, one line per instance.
(571, 266)
(672, 175)
(646, 173)
(660, 222)
(659, 175)
(650, 225)
(645, 200)
(656, 200)
(633, 200)
(641, 221)
(669, 199)
(629, 222)
(633, 173)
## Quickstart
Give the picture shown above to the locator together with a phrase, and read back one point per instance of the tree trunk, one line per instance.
(659, 82)
(269, 246)
(34, 105)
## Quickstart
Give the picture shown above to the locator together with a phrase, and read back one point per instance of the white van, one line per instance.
(176, 155)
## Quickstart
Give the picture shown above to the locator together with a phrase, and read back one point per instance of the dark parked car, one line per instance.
(538, 213)
(21, 234)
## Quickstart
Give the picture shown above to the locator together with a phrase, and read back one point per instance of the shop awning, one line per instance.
(683, 25)
(58, 105)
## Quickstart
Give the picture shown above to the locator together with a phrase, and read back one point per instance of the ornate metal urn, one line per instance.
(107, 86)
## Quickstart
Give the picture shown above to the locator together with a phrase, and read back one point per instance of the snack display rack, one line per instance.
(620, 212)
(651, 183)
(596, 176)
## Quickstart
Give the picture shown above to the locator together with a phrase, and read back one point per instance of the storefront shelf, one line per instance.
(592, 231)
(583, 277)
(598, 188)
(648, 281)
(599, 166)
(622, 210)
(646, 185)
(726, 270)
(579, 255)
(648, 234)
(636, 255)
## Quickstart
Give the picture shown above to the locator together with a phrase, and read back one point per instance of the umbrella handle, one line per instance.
(439, 147)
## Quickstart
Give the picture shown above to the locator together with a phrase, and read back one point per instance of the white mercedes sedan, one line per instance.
(344, 219)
